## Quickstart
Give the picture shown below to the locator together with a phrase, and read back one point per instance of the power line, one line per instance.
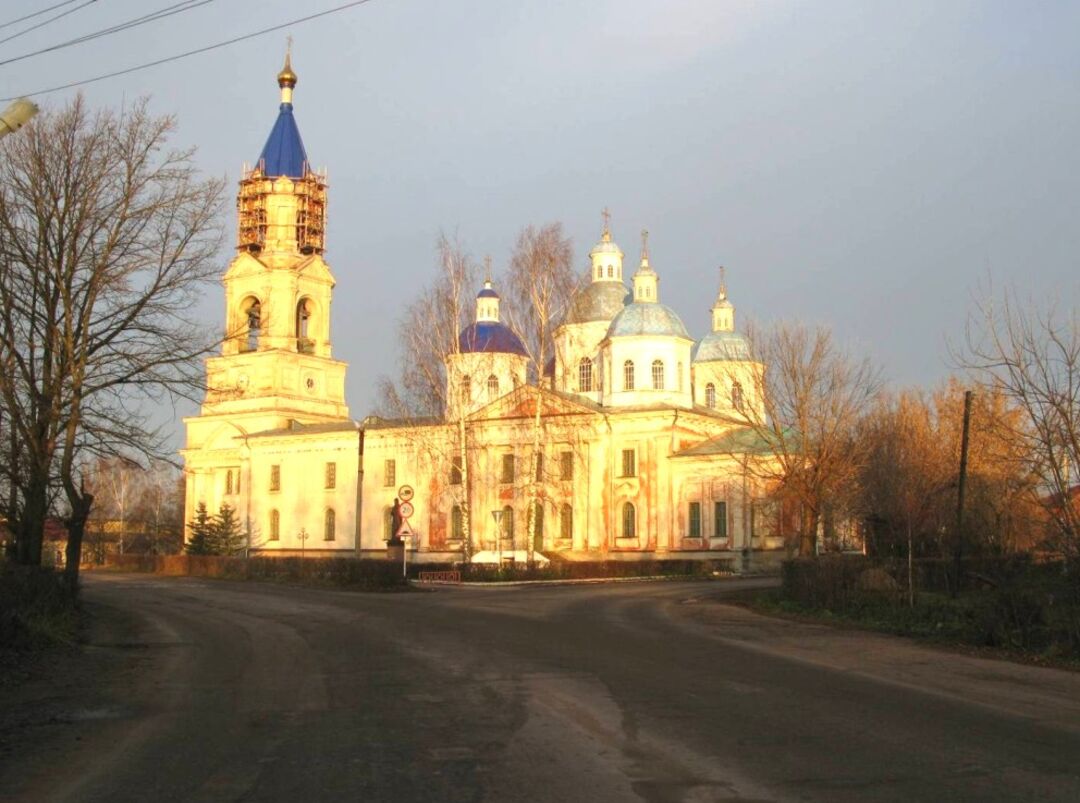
(195, 52)
(135, 22)
(35, 14)
(43, 23)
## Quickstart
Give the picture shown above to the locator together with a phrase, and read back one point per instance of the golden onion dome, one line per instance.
(287, 78)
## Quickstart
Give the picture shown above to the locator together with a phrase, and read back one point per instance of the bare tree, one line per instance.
(808, 397)
(106, 238)
(429, 334)
(541, 282)
(1031, 355)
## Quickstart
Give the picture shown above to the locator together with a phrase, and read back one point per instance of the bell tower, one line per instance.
(276, 362)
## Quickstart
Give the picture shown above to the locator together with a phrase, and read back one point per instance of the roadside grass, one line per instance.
(37, 609)
(978, 622)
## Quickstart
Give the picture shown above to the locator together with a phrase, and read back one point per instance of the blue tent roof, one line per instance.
(491, 337)
(284, 154)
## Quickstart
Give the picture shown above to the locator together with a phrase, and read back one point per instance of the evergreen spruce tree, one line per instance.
(228, 538)
(202, 533)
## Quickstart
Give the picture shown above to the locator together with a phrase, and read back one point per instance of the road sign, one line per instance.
(405, 529)
(405, 493)
(406, 510)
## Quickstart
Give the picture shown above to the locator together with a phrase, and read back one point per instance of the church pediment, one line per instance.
(521, 403)
(315, 269)
(244, 264)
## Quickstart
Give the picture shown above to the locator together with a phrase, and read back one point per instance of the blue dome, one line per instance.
(487, 292)
(284, 154)
(722, 346)
(490, 337)
(654, 319)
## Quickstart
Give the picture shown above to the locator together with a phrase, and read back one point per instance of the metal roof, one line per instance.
(651, 318)
(284, 154)
(490, 337)
(730, 346)
(599, 301)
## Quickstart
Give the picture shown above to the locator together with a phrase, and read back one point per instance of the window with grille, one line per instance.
(229, 482)
(629, 463)
(658, 375)
(695, 520)
(507, 523)
(389, 473)
(584, 376)
(275, 525)
(628, 375)
(737, 396)
(566, 466)
(331, 475)
(566, 523)
(275, 478)
(710, 396)
(455, 471)
(457, 529)
(330, 525)
(629, 521)
(506, 475)
(720, 520)
(493, 387)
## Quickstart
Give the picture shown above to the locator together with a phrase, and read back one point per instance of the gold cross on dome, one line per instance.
(606, 215)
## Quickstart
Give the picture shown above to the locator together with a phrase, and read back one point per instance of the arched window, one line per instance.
(493, 387)
(466, 389)
(566, 523)
(275, 525)
(507, 524)
(610, 272)
(629, 521)
(736, 396)
(330, 525)
(304, 343)
(710, 396)
(658, 374)
(584, 375)
(253, 323)
(628, 375)
(457, 530)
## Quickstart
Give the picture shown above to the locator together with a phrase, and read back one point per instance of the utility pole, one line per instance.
(958, 554)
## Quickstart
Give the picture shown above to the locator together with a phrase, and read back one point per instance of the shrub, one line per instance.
(37, 607)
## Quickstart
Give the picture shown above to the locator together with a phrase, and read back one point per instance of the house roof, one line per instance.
(742, 440)
(299, 428)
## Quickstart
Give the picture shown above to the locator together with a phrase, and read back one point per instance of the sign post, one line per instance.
(405, 494)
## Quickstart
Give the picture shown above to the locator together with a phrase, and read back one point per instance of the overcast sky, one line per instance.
(859, 164)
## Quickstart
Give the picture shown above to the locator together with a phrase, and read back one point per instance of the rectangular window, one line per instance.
(540, 466)
(695, 520)
(275, 525)
(566, 466)
(228, 482)
(455, 471)
(506, 475)
(720, 520)
(275, 478)
(331, 475)
(389, 473)
(629, 463)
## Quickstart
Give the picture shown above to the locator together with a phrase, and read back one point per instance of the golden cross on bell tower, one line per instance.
(606, 215)
(723, 283)
(487, 269)
(644, 243)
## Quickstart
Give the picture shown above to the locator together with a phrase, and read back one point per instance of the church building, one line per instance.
(637, 451)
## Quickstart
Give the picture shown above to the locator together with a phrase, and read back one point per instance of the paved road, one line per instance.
(655, 692)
